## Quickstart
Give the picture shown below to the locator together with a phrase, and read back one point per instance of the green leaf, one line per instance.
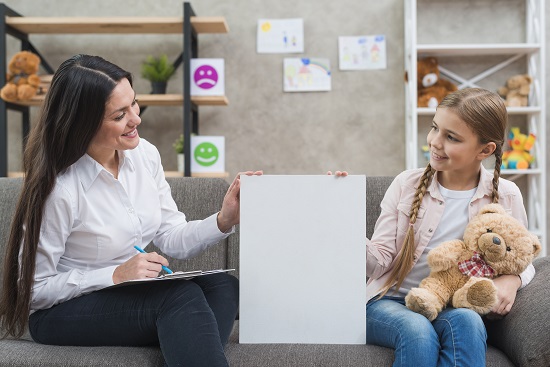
(179, 144)
(157, 69)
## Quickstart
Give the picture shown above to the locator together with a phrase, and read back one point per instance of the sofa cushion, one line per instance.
(320, 355)
(20, 353)
(209, 193)
(376, 189)
(29, 354)
(9, 195)
(524, 334)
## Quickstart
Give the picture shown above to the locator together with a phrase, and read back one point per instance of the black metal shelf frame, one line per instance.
(190, 109)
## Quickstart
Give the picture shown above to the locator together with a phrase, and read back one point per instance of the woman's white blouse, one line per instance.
(92, 222)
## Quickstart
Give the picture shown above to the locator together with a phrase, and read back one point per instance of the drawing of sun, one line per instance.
(266, 26)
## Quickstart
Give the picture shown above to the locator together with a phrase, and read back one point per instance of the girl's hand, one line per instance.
(507, 287)
(229, 214)
(140, 266)
(338, 173)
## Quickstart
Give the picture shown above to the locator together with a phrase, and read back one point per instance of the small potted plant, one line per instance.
(178, 147)
(158, 70)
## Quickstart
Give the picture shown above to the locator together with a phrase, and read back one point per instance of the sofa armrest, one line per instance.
(524, 334)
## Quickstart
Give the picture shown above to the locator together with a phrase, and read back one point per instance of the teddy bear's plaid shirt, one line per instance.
(476, 267)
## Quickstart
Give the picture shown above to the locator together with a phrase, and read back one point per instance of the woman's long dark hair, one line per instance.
(72, 114)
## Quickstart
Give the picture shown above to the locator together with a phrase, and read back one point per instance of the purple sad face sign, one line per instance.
(205, 77)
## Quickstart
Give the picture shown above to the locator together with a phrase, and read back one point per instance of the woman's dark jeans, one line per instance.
(190, 319)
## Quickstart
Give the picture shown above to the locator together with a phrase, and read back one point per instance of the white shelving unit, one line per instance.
(531, 52)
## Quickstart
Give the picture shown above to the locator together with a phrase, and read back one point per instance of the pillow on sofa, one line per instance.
(524, 334)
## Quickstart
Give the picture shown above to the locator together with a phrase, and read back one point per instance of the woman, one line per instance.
(93, 190)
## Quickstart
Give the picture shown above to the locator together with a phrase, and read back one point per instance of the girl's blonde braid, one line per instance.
(405, 258)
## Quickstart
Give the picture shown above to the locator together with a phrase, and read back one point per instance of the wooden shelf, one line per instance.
(210, 100)
(476, 49)
(151, 100)
(529, 110)
(143, 99)
(166, 173)
(527, 171)
(106, 25)
(204, 174)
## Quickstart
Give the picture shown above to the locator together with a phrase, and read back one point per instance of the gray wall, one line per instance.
(358, 126)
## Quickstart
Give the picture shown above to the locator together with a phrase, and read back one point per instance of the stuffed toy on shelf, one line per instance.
(22, 79)
(430, 86)
(516, 91)
(518, 156)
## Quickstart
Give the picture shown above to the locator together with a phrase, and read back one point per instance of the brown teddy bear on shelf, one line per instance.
(431, 88)
(22, 80)
(516, 91)
(495, 243)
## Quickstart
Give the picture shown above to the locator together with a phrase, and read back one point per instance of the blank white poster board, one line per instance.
(302, 259)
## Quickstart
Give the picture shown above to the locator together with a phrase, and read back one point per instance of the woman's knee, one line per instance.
(217, 280)
(221, 282)
(228, 280)
(184, 292)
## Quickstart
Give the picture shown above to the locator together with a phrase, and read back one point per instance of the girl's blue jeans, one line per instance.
(457, 337)
(190, 319)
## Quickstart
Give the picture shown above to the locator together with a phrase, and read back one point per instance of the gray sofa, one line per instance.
(521, 339)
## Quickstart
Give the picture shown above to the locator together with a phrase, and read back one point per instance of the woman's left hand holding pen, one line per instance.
(142, 265)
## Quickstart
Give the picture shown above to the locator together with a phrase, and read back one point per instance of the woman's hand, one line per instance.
(230, 214)
(338, 173)
(507, 287)
(140, 266)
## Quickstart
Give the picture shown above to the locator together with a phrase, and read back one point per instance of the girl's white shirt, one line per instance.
(452, 224)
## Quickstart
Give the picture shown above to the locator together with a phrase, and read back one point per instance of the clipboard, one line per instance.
(174, 276)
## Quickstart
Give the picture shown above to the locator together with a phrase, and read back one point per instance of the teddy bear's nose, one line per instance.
(496, 240)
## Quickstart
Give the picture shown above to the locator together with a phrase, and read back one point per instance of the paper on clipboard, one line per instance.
(175, 275)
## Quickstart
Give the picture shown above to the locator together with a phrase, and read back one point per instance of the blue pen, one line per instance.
(163, 267)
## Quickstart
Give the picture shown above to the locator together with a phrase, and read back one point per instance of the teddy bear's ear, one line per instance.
(492, 208)
(36, 58)
(536, 245)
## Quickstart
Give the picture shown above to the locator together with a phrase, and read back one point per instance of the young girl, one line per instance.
(425, 207)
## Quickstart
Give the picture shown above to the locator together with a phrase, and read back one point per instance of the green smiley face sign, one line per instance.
(206, 154)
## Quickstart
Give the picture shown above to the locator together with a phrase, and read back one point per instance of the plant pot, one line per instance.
(158, 87)
(181, 162)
